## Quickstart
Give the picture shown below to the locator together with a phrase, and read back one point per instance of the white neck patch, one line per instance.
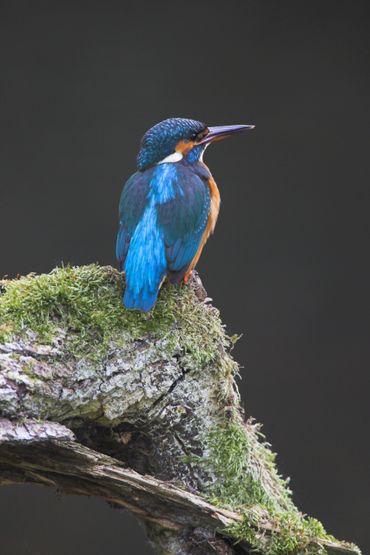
(203, 151)
(172, 158)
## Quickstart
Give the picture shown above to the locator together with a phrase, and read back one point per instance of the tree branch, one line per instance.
(140, 410)
(46, 453)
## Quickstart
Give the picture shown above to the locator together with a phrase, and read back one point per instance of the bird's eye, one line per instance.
(199, 136)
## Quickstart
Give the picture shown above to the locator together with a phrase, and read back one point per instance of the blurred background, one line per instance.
(288, 265)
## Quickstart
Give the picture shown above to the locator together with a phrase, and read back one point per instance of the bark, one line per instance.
(129, 426)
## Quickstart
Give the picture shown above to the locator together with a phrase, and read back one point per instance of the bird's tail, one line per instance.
(145, 300)
(145, 265)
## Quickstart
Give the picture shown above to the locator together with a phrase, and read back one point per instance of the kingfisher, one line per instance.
(168, 208)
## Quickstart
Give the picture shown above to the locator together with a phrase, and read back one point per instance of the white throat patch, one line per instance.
(203, 151)
(174, 157)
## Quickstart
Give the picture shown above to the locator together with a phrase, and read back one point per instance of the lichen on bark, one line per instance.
(155, 391)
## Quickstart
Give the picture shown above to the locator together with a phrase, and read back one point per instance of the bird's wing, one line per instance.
(131, 208)
(183, 220)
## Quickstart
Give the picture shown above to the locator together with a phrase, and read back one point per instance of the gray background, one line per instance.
(289, 263)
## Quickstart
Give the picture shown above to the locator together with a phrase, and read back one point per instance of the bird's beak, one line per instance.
(223, 131)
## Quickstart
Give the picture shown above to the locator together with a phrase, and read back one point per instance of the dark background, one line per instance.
(289, 263)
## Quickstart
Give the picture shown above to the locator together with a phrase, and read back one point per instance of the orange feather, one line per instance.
(212, 219)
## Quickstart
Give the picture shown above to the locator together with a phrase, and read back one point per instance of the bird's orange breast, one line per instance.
(212, 219)
(215, 207)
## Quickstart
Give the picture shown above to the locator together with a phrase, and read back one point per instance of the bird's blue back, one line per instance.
(163, 215)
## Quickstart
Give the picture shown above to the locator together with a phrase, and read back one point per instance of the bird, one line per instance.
(168, 208)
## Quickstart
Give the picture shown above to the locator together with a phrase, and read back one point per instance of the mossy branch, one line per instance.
(142, 410)
(47, 453)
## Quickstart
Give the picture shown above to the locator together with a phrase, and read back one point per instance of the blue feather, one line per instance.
(145, 265)
(163, 215)
(144, 302)
(184, 220)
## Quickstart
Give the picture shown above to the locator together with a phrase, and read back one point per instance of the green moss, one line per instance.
(86, 302)
(247, 481)
(290, 534)
(245, 468)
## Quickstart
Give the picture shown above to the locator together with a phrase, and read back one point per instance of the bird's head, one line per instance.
(173, 139)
